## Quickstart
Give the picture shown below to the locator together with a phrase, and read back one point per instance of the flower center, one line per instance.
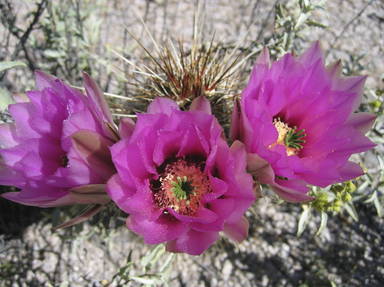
(181, 186)
(291, 138)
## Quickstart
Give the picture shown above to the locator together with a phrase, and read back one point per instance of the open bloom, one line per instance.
(297, 122)
(57, 150)
(179, 181)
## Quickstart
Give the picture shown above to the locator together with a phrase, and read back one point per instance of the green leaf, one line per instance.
(323, 223)
(374, 198)
(379, 207)
(304, 219)
(351, 211)
(316, 24)
(153, 256)
(9, 65)
(167, 265)
(363, 186)
(5, 99)
(150, 279)
(54, 54)
(301, 20)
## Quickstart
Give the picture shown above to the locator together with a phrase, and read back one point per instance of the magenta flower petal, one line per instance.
(201, 104)
(135, 163)
(22, 113)
(219, 187)
(235, 129)
(80, 121)
(94, 150)
(296, 120)
(166, 148)
(7, 136)
(120, 194)
(178, 179)
(192, 143)
(165, 228)
(312, 55)
(237, 231)
(141, 203)
(99, 105)
(40, 198)
(10, 177)
(58, 141)
(202, 215)
(362, 121)
(260, 168)
(44, 80)
(120, 155)
(126, 127)
(163, 106)
(88, 198)
(350, 171)
(193, 242)
(222, 208)
(292, 191)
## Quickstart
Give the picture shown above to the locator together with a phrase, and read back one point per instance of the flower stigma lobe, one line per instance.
(181, 186)
(291, 138)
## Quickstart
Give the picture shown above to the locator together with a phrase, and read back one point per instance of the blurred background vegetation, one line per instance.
(65, 38)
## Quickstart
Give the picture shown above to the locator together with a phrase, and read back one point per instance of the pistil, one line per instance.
(181, 186)
(291, 138)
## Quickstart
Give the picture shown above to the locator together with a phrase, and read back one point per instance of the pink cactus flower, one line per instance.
(179, 181)
(296, 120)
(57, 150)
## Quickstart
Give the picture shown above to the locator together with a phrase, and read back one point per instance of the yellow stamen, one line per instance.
(283, 130)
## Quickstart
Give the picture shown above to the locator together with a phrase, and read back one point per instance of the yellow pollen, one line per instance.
(283, 129)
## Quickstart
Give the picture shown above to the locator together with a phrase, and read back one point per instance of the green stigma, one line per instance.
(182, 188)
(295, 138)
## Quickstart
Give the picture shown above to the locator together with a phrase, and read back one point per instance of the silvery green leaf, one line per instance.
(363, 186)
(316, 24)
(304, 219)
(60, 27)
(150, 279)
(93, 29)
(379, 140)
(54, 54)
(374, 198)
(379, 207)
(371, 198)
(301, 20)
(351, 211)
(9, 65)
(321, 3)
(304, 3)
(373, 94)
(166, 267)
(323, 223)
(153, 255)
(381, 163)
(5, 99)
